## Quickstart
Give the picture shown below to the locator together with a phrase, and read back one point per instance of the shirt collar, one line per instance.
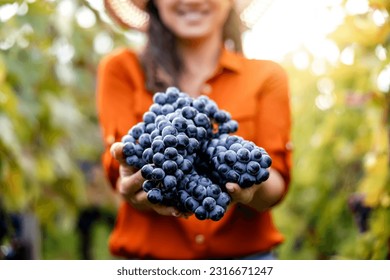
(230, 60)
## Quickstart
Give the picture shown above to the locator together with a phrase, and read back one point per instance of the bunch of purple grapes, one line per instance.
(236, 160)
(180, 147)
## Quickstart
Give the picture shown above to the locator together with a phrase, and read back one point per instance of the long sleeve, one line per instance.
(114, 101)
(275, 115)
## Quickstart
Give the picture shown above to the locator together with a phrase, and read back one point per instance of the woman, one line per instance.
(186, 49)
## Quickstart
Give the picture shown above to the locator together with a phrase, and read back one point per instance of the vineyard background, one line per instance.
(55, 202)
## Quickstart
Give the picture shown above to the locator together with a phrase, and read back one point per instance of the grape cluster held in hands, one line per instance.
(186, 152)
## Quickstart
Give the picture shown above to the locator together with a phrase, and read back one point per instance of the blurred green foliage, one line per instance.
(49, 136)
(341, 147)
(49, 132)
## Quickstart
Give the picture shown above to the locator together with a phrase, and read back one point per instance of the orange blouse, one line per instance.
(256, 94)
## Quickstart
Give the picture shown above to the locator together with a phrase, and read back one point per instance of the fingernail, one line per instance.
(175, 214)
(112, 149)
(230, 188)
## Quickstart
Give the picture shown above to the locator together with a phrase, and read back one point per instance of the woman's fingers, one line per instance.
(166, 210)
(130, 182)
(130, 186)
(141, 202)
(117, 152)
(239, 194)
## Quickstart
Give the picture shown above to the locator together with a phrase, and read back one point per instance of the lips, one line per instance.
(193, 15)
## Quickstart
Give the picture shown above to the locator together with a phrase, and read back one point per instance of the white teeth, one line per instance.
(192, 15)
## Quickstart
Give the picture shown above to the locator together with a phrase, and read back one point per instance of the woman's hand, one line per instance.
(130, 183)
(260, 197)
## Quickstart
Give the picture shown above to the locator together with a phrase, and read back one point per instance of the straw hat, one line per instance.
(132, 14)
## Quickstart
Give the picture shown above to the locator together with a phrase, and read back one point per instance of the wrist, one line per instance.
(268, 193)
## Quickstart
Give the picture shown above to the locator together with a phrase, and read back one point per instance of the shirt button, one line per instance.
(289, 146)
(206, 89)
(199, 239)
(110, 139)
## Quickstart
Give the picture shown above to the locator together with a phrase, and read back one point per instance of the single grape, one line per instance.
(182, 141)
(172, 95)
(182, 102)
(158, 146)
(128, 139)
(202, 120)
(201, 133)
(220, 116)
(138, 150)
(191, 204)
(158, 159)
(201, 213)
(168, 130)
(190, 186)
(210, 109)
(147, 185)
(128, 149)
(223, 199)
(192, 131)
(230, 157)
(253, 167)
(170, 140)
(132, 160)
(232, 125)
(146, 171)
(193, 145)
(199, 192)
(155, 108)
(169, 182)
(217, 213)
(169, 167)
(262, 176)
(147, 155)
(149, 117)
(155, 196)
(183, 195)
(223, 169)
(209, 203)
(246, 180)
(239, 167)
(243, 155)
(232, 176)
(186, 166)
(170, 153)
(235, 147)
(265, 161)
(154, 134)
(199, 105)
(256, 154)
(204, 181)
(150, 127)
(162, 124)
(160, 98)
(179, 174)
(180, 123)
(167, 109)
(158, 174)
(213, 191)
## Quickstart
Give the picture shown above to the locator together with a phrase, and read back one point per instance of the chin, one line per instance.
(192, 35)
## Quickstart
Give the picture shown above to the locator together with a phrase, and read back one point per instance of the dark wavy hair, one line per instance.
(160, 59)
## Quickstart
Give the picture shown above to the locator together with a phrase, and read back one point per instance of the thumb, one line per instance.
(116, 151)
(234, 191)
(231, 188)
(238, 194)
